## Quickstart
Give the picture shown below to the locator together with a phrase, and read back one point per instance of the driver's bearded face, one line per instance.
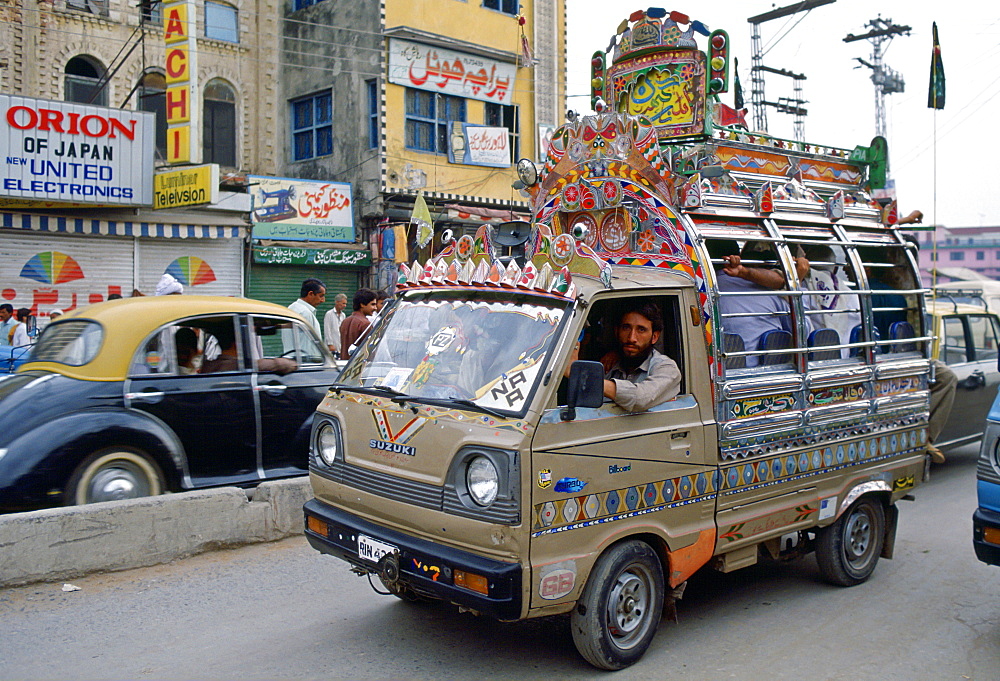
(636, 336)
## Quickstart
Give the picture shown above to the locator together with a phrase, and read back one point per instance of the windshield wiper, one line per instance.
(400, 397)
(367, 390)
(462, 402)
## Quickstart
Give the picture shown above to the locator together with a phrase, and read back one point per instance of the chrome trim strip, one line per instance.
(761, 426)
(884, 405)
(835, 412)
(841, 376)
(761, 386)
(900, 369)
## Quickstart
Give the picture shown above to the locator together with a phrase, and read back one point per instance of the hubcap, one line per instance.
(122, 481)
(859, 537)
(628, 606)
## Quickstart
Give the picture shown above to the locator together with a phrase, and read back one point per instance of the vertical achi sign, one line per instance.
(182, 68)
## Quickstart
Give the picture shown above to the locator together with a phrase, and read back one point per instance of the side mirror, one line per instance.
(585, 388)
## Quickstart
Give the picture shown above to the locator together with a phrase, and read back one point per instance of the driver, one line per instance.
(637, 376)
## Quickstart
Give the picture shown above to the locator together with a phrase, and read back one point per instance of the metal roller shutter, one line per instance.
(48, 271)
(281, 284)
(207, 267)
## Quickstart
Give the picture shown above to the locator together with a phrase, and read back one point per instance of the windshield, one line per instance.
(439, 345)
(71, 342)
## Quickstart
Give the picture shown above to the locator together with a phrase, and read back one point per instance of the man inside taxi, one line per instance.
(637, 377)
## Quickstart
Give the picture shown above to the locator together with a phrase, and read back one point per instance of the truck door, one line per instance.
(608, 472)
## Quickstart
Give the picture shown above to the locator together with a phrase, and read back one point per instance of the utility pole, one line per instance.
(784, 104)
(886, 81)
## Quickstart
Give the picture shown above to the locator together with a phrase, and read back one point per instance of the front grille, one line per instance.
(504, 510)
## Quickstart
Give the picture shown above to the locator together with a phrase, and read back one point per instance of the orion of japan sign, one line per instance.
(453, 73)
(60, 151)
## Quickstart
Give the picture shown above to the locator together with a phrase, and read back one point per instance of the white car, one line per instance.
(968, 337)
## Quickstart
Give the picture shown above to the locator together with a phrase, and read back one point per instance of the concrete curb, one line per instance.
(60, 543)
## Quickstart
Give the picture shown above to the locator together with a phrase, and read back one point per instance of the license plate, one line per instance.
(373, 549)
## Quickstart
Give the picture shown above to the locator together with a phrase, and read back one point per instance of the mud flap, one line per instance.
(891, 518)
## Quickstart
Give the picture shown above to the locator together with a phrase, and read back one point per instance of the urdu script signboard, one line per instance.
(425, 67)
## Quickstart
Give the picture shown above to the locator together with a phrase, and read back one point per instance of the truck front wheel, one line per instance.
(617, 615)
(848, 550)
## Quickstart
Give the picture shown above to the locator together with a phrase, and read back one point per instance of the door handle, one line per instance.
(273, 388)
(152, 396)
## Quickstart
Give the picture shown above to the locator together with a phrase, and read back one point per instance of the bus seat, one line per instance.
(902, 331)
(820, 338)
(856, 338)
(775, 339)
(733, 342)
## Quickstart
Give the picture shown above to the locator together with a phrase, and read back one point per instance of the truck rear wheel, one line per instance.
(619, 611)
(848, 550)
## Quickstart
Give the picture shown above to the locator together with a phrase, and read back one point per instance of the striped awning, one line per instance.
(69, 225)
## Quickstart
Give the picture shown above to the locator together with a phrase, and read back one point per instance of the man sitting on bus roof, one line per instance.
(637, 376)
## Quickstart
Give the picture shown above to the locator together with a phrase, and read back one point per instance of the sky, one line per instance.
(958, 141)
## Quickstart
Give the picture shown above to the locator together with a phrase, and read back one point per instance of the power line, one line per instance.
(523, 85)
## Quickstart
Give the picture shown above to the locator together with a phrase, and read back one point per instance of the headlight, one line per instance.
(482, 480)
(327, 443)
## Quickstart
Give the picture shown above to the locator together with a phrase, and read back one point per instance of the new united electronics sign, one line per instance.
(59, 151)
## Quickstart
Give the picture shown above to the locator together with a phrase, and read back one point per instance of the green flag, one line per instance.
(935, 94)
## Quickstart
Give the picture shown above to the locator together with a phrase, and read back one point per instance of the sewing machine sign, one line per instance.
(301, 210)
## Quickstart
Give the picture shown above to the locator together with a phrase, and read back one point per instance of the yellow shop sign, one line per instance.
(186, 187)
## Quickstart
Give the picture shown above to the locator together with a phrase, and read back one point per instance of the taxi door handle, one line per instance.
(273, 388)
(146, 396)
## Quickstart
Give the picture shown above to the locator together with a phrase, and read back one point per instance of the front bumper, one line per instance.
(425, 566)
(983, 519)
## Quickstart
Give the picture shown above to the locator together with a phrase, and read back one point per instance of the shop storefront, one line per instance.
(304, 229)
(277, 272)
(55, 262)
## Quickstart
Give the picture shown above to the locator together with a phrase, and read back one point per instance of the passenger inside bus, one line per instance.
(828, 278)
(763, 319)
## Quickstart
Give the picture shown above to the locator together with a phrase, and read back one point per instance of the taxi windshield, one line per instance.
(72, 342)
(441, 345)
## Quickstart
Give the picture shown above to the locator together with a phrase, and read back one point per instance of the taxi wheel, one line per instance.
(112, 474)
(618, 613)
(848, 550)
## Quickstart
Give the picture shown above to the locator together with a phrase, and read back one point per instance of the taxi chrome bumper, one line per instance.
(425, 566)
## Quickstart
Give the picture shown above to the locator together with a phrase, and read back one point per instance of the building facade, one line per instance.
(289, 140)
(959, 253)
(429, 98)
(69, 236)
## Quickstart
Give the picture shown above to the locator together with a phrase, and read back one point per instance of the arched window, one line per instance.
(219, 131)
(152, 96)
(82, 77)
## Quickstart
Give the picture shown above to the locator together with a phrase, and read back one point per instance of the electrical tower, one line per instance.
(886, 81)
(788, 105)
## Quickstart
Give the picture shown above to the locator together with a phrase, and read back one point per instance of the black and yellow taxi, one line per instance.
(143, 396)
